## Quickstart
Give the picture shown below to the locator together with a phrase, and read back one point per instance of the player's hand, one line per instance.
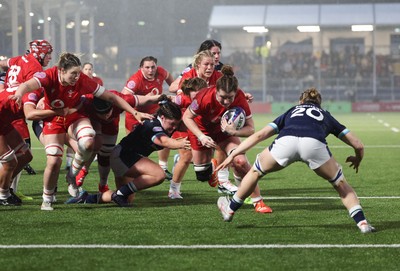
(140, 117)
(354, 162)
(227, 128)
(185, 144)
(207, 141)
(225, 163)
(17, 98)
(62, 111)
(249, 97)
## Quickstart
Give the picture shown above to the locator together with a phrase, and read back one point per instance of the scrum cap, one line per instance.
(39, 49)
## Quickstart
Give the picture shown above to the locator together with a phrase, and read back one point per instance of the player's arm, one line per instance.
(146, 100)
(32, 113)
(249, 143)
(170, 143)
(121, 103)
(188, 119)
(175, 86)
(23, 88)
(247, 130)
(353, 141)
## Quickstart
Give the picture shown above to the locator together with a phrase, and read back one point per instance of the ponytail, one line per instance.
(168, 109)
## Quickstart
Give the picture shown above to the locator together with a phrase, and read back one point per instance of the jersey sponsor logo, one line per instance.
(57, 103)
(40, 75)
(194, 105)
(155, 91)
(157, 129)
(131, 84)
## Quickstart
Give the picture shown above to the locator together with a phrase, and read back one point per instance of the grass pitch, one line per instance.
(308, 230)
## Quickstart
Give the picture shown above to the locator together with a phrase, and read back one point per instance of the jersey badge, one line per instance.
(131, 84)
(194, 105)
(157, 129)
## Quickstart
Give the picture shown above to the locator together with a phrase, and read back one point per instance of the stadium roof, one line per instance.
(382, 14)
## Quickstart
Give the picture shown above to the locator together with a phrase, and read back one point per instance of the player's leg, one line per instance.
(224, 185)
(203, 167)
(82, 131)
(8, 162)
(103, 160)
(264, 164)
(332, 172)
(142, 173)
(241, 167)
(54, 148)
(185, 158)
(163, 162)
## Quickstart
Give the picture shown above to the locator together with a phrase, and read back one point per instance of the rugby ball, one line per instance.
(235, 115)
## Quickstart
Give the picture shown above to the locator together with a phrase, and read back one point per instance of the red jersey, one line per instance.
(212, 81)
(209, 111)
(184, 102)
(110, 126)
(59, 96)
(138, 84)
(20, 69)
(98, 80)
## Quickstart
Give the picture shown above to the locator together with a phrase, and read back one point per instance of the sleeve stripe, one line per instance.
(99, 91)
(343, 133)
(157, 135)
(274, 126)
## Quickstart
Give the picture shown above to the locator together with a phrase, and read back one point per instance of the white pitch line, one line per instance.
(245, 246)
(373, 197)
(345, 147)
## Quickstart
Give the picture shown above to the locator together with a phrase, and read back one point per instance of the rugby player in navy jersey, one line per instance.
(132, 168)
(301, 137)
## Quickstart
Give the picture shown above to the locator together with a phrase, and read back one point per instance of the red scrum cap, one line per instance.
(39, 49)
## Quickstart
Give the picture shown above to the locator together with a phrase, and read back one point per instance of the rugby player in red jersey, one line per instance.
(19, 70)
(148, 80)
(206, 132)
(63, 87)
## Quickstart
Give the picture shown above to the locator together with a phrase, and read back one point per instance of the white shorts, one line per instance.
(289, 149)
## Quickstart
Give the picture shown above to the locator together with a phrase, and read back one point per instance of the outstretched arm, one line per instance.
(351, 140)
(121, 103)
(25, 87)
(247, 144)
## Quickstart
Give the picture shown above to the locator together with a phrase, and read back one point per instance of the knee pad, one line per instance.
(338, 178)
(83, 134)
(203, 172)
(21, 149)
(54, 149)
(257, 167)
(8, 156)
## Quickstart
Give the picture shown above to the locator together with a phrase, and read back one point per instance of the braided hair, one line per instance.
(168, 109)
(228, 82)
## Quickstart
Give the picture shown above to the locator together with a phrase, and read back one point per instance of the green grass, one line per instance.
(306, 212)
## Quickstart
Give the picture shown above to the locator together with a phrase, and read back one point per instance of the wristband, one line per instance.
(201, 137)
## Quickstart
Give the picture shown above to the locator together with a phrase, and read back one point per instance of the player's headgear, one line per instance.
(39, 49)
(101, 106)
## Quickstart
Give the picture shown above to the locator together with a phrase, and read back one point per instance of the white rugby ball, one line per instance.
(235, 115)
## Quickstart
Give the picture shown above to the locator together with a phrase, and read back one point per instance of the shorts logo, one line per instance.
(131, 84)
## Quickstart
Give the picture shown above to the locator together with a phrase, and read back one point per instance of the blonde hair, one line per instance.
(199, 57)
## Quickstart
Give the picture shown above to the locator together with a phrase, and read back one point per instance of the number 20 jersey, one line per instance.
(308, 120)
